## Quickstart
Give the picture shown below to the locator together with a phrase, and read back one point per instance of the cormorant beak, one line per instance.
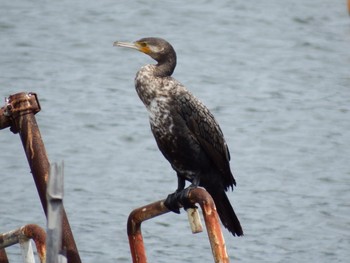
(125, 44)
(136, 45)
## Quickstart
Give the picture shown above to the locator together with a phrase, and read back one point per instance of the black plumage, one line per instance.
(185, 131)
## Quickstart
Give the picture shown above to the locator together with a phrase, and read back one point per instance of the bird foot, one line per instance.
(171, 202)
(179, 199)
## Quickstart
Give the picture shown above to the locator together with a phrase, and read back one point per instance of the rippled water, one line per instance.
(276, 76)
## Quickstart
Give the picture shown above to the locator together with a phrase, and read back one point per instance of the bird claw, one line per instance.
(179, 199)
(171, 202)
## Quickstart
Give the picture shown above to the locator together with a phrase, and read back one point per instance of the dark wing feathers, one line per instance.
(208, 133)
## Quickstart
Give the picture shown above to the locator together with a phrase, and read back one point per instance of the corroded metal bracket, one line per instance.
(18, 105)
(197, 195)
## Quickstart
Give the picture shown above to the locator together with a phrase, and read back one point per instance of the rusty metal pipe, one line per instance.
(39, 236)
(3, 256)
(211, 218)
(4, 120)
(31, 231)
(21, 108)
(197, 195)
(135, 219)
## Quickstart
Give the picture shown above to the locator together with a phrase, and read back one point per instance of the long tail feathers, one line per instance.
(226, 213)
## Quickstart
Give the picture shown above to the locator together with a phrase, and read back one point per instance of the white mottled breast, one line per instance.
(159, 115)
(156, 94)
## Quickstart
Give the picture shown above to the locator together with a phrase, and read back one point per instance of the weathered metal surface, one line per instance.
(135, 219)
(39, 237)
(4, 121)
(27, 251)
(22, 235)
(194, 220)
(54, 214)
(196, 195)
(18, 105)
(20, 109)
(211, 218)
(3, 256)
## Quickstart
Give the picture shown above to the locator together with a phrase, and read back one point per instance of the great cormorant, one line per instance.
(186, 132)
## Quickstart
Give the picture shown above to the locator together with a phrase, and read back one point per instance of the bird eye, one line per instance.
(143, 44)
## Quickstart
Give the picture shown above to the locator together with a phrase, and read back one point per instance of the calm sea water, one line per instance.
(274, 73)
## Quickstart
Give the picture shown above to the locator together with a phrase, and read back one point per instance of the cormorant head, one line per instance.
(157, 48)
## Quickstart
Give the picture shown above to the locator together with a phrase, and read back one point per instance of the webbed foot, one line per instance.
(172, 202)
(179, 199)
(184, 198)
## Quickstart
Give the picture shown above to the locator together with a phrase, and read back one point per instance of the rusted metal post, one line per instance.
(211, 218)
(135, 219)
(22, 235)
(3, 256)
(20, 110)
(196, 195)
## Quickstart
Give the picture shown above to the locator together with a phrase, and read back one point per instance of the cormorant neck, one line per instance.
(166, 65)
